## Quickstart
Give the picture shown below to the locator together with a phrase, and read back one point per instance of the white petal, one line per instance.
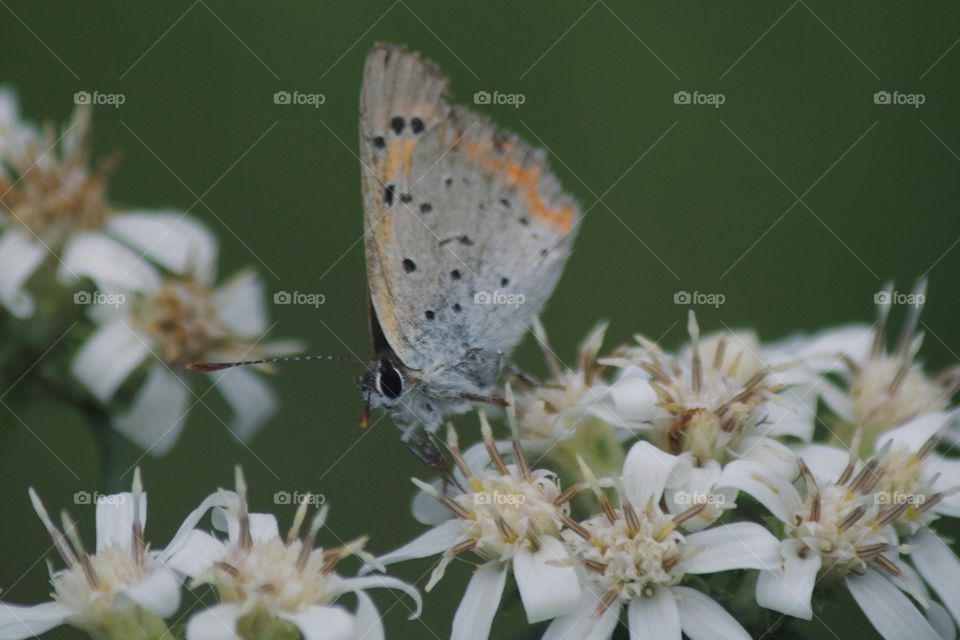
(915, 433)
(240, 304)
(379, 581)
(826, 463)
(795, 417)
(218, 622)
(323, 623)
(108, 358)
(770, 489)
(939, 567)
(18, 621)
(263, 526)
(115, 520)
(890, 612)
(176, 241)
(646, 472)
(20, 256)
(112, 267)
(196, 553)
(547, 580)
(775, 455)
(703, 619)
(480, 602)
(583, 623)
(368, 621)
(740, 545)
(427, 510)
(628, 403)
(434, 541)
(654, 617)
(940, 620)
(789, 587)
(158, 593)
(829, 350)
(158, 412)
(250, 398)
(836, 399)
(219, 499)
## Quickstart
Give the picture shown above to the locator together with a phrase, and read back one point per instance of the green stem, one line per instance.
(110, 445)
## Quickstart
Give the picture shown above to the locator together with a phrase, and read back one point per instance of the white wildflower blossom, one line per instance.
(173, 321)
(635, 556)
(272, 585)
(123, 590)
(511, 517)
(841, 529)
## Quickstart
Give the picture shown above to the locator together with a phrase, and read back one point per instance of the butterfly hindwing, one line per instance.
(467, 229)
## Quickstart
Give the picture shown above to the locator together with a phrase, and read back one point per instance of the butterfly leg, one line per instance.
(422, 443)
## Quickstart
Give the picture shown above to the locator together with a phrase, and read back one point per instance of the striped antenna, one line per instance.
(218, 366)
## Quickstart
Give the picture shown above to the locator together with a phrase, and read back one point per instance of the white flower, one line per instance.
(918, 486)
(635, 557)
(122, 591)
(841, 530)
(723, 401)
(54, 208)
(511, 517)
(574, 412)
(276, 583)
(171, 322)
(880, 389)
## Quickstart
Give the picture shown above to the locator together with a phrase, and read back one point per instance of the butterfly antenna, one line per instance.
(218, 366)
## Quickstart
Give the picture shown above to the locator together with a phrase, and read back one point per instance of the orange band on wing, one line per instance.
(398, 156)
(526, 178)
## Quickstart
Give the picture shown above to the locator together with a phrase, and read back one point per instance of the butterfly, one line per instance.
(466, 233)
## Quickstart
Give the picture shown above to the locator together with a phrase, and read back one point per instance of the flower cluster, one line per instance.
(269, 586)
(128, 296)
(813, 464)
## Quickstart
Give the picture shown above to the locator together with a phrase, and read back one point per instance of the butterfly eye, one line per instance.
(389, 382)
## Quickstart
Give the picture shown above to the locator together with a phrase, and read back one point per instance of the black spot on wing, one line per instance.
(430, 314)
(397, 124)
(388, 195)
(409, 265)
(426, 207)
(416, 125)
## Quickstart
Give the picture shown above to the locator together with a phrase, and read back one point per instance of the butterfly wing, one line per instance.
(467, 230)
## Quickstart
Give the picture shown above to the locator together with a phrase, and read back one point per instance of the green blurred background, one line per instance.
(694, 198)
